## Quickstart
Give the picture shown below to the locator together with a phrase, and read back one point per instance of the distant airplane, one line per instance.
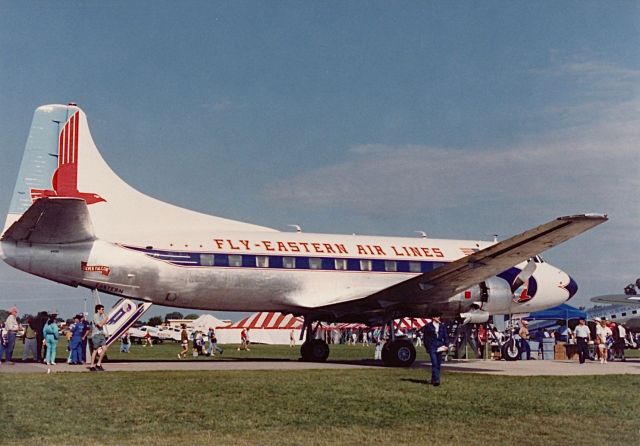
(621, 308)
(116, 240)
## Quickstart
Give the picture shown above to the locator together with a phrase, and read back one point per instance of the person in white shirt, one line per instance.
(582, 336)
(602, 334)
(11, 326)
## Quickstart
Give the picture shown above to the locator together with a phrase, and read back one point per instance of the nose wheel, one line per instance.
(511, 350)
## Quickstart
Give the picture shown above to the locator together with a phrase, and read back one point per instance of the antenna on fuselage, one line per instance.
(296, 227)
(422, 233)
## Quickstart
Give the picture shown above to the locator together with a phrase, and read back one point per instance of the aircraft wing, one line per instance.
(618, 299)
(414, 295)
(53, 220)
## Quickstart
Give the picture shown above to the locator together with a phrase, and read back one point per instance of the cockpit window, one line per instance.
(538, 259)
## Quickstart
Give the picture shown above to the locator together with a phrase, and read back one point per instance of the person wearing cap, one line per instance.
(582, 336)
(51, 334)
(524, 338)
(436, 341)
(602, 334)
(11, 326)
(77, 331)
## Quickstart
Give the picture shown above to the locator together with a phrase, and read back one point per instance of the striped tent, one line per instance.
(270, 320)
(264, 328)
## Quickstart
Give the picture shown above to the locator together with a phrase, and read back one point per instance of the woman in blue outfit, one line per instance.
(77, 331)
(51, 334)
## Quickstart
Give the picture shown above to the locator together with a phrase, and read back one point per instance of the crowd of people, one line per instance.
(41, 335)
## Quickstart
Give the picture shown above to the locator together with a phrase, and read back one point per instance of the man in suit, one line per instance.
(436, 342)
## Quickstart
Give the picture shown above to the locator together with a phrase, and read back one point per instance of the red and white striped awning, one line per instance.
(271, 320)
(409, 323)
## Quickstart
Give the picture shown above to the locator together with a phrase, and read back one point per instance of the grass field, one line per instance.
(319, 407)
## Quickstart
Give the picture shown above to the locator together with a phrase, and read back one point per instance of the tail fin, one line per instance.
(61, 160)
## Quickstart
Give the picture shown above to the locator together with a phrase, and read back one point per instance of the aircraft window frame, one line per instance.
(415, 267)
(315, 263)
(634, 312)
(391, 266)
(340, 264)
(207, 259)
(623, 314)
(366, 265)
(235, 260)
(289, 262)
(262, 261)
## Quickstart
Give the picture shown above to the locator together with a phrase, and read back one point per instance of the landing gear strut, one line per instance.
(313, 350)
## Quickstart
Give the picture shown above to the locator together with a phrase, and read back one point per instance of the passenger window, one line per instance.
(206, 259)
(390, 265)
(415, 267)
(315, 263)
(341, 264)
(366, 265)
(262, 261)
(235, 260)
(289, 262)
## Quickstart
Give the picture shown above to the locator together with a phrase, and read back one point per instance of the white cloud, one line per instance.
(592, 163)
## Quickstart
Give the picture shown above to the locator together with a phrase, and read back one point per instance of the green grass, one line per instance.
(169, 350)
(318, 407)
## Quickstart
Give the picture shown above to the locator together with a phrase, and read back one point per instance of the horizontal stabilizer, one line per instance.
(53, 220)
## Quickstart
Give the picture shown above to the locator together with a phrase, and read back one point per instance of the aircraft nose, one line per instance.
(572, 287)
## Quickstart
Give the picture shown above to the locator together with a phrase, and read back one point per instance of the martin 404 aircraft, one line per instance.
(74, 221)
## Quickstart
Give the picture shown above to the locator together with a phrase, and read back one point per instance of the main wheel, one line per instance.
(511, 350)
(314, 350)
(398, 353)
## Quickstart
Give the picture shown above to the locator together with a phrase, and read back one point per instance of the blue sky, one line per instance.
(461, 119)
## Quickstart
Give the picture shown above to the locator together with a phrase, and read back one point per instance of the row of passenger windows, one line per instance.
(318, 263)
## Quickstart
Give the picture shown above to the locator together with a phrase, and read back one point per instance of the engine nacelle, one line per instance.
(494, 295)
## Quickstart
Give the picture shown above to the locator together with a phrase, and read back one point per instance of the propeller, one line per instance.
(521, 279)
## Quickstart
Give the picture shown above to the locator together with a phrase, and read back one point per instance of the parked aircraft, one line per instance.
(621, 309)
(74, 221)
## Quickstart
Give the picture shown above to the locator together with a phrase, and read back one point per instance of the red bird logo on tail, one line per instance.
(65, 178)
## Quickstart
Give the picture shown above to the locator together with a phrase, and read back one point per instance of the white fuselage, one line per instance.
(266, 271)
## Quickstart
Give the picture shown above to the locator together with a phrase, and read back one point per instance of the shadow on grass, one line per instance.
(416, 381)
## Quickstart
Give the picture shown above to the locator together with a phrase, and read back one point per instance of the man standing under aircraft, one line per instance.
(525, 348)
(98, 338)
(582, 335)
(436, 342)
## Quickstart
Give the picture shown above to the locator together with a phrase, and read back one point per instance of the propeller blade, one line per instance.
(524, 275)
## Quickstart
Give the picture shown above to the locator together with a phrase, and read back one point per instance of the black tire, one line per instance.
(399, 353)
(511, 350)
(315, 350)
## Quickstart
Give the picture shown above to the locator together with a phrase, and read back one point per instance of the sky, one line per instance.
(461, 119)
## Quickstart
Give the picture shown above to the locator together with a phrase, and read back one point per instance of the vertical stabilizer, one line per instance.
(61, 160)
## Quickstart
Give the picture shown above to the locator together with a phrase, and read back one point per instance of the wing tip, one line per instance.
(594, 216)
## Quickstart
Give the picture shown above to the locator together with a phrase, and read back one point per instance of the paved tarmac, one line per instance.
(516, 368)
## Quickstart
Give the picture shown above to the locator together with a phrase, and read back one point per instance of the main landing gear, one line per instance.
(398, 352)
(313, 350)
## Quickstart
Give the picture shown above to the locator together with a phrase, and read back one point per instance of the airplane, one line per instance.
(74, 221)
(621, 308)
